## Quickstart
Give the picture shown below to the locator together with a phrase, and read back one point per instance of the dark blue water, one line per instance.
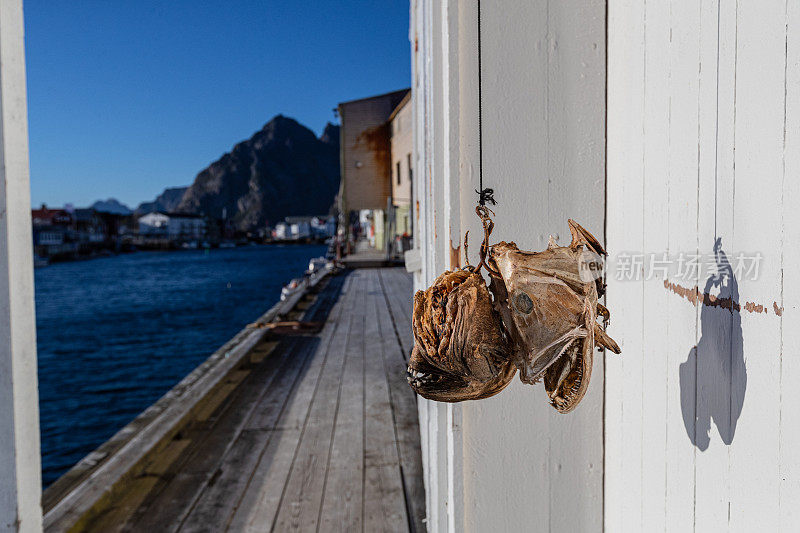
(115, 334)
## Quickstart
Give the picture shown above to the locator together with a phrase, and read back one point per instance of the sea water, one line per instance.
(114, 334)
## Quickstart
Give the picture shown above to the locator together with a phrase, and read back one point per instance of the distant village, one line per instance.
(373, 203)
(66, 233)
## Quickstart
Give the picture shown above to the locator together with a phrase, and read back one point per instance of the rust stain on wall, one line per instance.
(455, 256)
(378, 140)
(753, 307)
(694, 296)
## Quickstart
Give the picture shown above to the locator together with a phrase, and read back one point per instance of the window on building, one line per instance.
(398, 173)
(410, 172)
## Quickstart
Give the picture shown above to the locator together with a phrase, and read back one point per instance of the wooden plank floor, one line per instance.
(320, 435)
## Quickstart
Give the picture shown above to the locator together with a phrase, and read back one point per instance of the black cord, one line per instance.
(482, 198)
(484, 195)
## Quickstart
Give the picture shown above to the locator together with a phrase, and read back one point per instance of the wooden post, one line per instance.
(20, 471)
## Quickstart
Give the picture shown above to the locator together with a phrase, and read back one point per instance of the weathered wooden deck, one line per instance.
(320, 434)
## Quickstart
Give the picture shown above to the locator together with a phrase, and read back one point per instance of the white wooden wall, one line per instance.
(510, 463)
(20, 472)
(703, 407)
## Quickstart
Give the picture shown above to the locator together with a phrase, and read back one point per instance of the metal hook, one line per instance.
(466, 250)
(488, 225)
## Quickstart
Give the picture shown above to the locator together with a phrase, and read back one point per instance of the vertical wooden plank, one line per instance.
(438, 426)
(625, 168)
(398, 290)
(655, 328)
(169, 505)
(232, 476)
(789, 468)
(718, 330)
(384, 499)
(403, 400)
(683, 66)
(20, 464)
(217, 502)
(759, 130)
(440, 244)
(302, 496)
(730, 148)
(259, 505)
(575, 120)
(342, 507)
(514, 65)
(255, 408)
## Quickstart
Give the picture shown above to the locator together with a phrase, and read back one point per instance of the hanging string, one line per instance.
(484, 195)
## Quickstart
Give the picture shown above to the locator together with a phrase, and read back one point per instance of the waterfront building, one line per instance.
(323, 227)
(66, 233)
(48, 236)
(154, 224)
(300, 230)
(299, 227)
(45, 216)
(55, 242)
(172, 226)
(90, 226)
(400, 221)
(366, 162)
(280, 231)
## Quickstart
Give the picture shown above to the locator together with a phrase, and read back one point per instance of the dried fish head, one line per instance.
(460, 349)
(548, 303)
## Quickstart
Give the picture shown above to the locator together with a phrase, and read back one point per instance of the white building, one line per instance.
(664, 128)
(294, 228)
(282, 231)
(174, 226)
(300, 230)
(323, 227)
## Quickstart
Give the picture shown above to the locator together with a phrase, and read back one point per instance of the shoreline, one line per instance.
(165, 312)
(110, 254)
(86, 485)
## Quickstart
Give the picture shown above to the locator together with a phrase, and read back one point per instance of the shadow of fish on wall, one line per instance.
(713, 378)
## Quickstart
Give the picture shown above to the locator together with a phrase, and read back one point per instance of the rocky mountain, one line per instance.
(112, 206)
(282, 170)
(166, 202)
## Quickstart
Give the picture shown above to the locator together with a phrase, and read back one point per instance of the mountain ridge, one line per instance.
(282, 170)
(111, 205)
(167, 201)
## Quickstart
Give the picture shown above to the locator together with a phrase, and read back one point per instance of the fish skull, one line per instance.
(548, 304)
(460, 349)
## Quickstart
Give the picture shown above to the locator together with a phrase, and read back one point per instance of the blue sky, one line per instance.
(126, 98)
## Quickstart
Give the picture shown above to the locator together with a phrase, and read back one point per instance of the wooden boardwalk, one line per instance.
(319, 434)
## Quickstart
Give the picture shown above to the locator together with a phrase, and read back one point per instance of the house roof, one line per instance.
(406, 99)
(398, 95)
(46, 212)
